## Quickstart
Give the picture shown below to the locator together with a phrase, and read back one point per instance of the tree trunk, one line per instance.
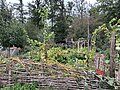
(21, 11)
(112, 55)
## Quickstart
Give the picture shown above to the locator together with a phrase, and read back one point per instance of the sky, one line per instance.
(26, 1)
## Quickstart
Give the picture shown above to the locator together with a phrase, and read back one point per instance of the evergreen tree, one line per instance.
(80, 22)
(57, 15)
(11, 31)
(21, 11)
(109, 8)
(37, 19)
(36, 11)
(5, 18)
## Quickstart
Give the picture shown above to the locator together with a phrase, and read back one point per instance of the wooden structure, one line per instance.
(53, 75)
(75, 44)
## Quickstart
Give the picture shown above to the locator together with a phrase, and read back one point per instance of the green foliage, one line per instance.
(108, 29)
(5, 19)
(32, 86)
(107, 82)
(32, 31)
(69, 55)
(38, 11)
(15, 35)
(11, 31)
(57, 16)
(33, 50)
(109, 8)
(77, 24)
(103, 12)
(39, 50)
(36, 48)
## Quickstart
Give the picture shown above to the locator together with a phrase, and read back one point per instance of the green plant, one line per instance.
(69, 55)
(32, 86)
(107, 82)
(15, 35)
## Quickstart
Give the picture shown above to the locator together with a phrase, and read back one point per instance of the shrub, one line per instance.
(14, 35)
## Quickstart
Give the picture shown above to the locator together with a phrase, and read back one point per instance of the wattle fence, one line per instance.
(44, 75)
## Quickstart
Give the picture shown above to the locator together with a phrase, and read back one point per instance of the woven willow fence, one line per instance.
(51, 75)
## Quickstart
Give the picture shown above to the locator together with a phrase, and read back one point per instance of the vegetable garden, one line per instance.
(47, 47)
(53, 68)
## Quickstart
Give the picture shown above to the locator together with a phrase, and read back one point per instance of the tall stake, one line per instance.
(88, 29)
(112, 55)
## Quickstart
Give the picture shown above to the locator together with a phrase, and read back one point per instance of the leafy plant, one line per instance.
(69, 55)
(32, 86)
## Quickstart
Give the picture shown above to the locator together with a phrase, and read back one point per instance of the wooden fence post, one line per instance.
(112, 55)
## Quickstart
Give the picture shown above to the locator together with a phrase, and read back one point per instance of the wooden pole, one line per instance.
(78, 46)
(88, 35)
(112, 55)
